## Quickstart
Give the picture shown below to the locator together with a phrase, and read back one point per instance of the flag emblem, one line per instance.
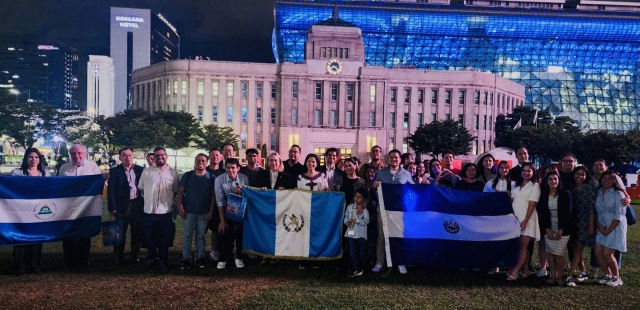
(45, 210)
(451, 227)
(292, 223)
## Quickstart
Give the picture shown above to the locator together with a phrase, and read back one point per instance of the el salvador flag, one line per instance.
(435, 226)
(293, 224)
(37, 210)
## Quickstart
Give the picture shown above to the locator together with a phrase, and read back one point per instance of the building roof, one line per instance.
(335, 20)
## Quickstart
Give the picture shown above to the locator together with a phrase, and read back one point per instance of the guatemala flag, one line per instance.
(37, 210)
(431, 225)
(293, 224)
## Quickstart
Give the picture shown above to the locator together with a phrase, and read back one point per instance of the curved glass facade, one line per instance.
(579, 64)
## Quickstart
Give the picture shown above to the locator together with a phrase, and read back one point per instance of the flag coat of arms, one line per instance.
(435, 226)
(293, 224)
(37, 210)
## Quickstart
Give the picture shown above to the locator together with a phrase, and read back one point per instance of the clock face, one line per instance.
(334, 66)
(96, 70)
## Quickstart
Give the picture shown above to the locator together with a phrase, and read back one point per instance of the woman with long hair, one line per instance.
(274, 176)
(312, 180)
(611, 223)
(525, 197)
(421, 176)
(554, 210)
(502, 183)
(26, 258)
(584, 208)
(486, 168)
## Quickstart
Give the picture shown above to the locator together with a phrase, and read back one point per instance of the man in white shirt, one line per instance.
(159, 186)
(76, 251)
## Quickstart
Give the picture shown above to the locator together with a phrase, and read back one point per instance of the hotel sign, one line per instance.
(129, 21)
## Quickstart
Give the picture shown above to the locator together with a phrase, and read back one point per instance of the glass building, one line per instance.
(581, 64)
(38, 71)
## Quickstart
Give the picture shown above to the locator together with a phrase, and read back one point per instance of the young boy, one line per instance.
(356, 217)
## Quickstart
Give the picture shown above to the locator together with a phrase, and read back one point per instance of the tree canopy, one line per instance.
(439, 136)
(212, 136)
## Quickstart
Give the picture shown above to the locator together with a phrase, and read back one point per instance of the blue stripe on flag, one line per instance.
(417, 198)
(30, 233)
(453, 253)
(259, 225)
(327, 209)
(12, 187)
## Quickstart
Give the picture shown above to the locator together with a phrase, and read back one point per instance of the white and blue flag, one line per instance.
(435, 226)
(37, 210)
(293, 224)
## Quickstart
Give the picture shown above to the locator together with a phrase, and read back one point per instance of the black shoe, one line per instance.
(164, 267)
(200, 263)
(134, 258)
(120, 260)
(186, 264)
(151, 264)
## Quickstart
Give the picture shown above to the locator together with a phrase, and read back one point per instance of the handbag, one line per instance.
(112, 233)
(631, 216)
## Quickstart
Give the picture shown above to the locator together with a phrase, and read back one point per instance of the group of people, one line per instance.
(570, 208)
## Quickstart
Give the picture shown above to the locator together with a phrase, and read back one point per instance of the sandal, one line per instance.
(511, 278)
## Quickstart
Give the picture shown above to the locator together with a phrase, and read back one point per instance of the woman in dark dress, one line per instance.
(27, 258)
(469, 182)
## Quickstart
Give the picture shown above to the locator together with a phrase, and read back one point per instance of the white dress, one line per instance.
(521, 198)
(315, 184)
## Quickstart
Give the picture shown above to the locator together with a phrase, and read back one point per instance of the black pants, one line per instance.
(233, 232)
(76, 251)
(157, 230)
(27, 257)
(134, 218)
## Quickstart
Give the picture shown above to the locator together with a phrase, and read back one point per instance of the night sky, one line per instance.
(231, 30)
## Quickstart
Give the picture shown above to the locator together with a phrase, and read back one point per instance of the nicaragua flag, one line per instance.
(293, 224)
(431, 225)
(37, 210)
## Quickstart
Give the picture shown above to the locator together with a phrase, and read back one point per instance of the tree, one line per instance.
(186, 127)
(263, 151)
(437, 137)
(212, 136)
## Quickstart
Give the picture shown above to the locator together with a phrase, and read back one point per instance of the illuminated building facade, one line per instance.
(139, 38)
(330, 99)
(36, 71)
(579, 63)
(100, 86)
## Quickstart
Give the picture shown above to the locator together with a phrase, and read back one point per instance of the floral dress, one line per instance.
(584, 205)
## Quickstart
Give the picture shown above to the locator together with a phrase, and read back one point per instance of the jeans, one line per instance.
(157, 230)
(358, 249)
(233, 232)
(194, 223)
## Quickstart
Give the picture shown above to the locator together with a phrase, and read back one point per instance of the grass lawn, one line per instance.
(284, 286)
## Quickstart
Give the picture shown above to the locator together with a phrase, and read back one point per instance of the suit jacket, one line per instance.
(338, 175)
(118, 187)
(263, 179)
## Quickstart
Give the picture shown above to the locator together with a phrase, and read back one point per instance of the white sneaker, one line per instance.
(214, 255)
(376, 268)
(606, 279)
(239, 263)
(222, 265)
(494, 271)
(615, 281)
(582, 277)
(402, 269)
(570, 282)
(542, 273)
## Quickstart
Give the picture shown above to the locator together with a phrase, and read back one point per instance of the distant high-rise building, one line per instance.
(38, 71)
(100, 86)
(139, 38)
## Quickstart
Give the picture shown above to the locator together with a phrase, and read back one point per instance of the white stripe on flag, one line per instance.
(429, 224)
(292, 239)
(48, 210)
(385, 229)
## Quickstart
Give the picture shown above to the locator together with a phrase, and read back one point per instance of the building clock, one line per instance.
(334, 66)
(96, 70)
